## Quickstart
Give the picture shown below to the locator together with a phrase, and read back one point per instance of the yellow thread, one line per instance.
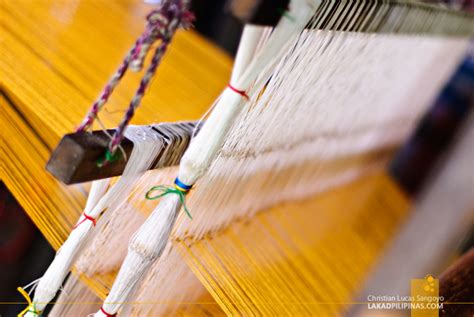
(185, 191)
(301, 259)
(30, 303)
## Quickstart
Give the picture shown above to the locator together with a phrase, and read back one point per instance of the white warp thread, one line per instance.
(150, 240)
(54, 276)
(146, 148)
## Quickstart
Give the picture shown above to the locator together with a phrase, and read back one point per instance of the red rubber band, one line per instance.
(106, 313)
(86, 217)
(240, 92)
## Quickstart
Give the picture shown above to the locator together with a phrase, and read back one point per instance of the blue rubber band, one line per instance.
(182, 186)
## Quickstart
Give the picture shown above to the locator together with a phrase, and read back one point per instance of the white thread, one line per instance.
(150, 240)
(144, 151)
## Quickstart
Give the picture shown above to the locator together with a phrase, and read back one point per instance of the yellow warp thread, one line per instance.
(300, 259)
(31, 306)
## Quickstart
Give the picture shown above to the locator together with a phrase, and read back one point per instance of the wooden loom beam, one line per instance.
(78, 155)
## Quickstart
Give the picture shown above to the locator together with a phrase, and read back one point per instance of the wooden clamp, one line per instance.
(77, 155)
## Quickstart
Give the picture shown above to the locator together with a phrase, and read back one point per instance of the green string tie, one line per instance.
(286, 14)
(109, 157)
(165, 190)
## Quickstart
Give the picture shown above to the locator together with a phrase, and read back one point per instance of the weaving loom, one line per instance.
(293, 205)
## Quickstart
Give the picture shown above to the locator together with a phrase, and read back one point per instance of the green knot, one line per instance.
(109, 157)
(31, 306)
(166, 190)
(34, 311)
(286, 14)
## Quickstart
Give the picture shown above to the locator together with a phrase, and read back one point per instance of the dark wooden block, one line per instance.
(261, 12)
(456, 285)
(77, 157)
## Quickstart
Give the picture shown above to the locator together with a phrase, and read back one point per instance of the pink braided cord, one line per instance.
(162, 24)
(176, 15)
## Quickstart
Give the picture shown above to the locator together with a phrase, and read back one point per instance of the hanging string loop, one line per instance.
(179, 189)
(155, 29)
(162, 24)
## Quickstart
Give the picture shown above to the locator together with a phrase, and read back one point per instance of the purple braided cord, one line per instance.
(156, 21)
(108, 89)
(119, 132)
(176, 15)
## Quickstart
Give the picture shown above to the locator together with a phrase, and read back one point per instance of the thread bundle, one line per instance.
(146, 147)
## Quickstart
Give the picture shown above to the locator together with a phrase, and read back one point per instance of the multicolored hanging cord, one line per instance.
(31, 307)
(109, 88)
(179, 189)
(176, 15)
(161, 25)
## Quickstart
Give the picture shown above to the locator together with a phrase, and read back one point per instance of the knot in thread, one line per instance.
(179, 189)
(109, 157)
(161, 25)
(156, 24)
(286, 13)
(86, 217)
(238, 91)
(31, 306)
